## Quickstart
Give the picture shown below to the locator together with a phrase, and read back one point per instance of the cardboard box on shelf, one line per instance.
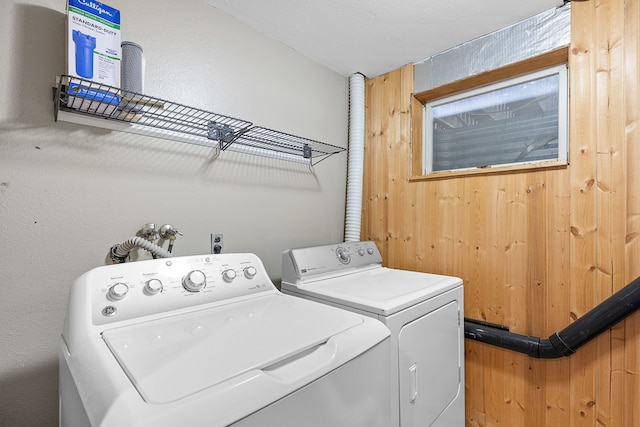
(93, 42)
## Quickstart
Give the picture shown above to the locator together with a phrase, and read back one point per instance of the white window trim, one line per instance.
(563, 115)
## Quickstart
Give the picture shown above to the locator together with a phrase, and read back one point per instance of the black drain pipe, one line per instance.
(564, 343)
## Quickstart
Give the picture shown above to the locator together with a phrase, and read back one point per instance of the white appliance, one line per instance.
(209, 341)
(423, 311)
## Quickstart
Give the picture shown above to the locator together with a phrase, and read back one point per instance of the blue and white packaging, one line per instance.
(91, 100)
(93, 42)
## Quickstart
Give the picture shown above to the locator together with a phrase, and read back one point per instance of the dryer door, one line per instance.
(430, 365)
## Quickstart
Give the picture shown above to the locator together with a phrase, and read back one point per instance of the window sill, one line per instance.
(554, 164)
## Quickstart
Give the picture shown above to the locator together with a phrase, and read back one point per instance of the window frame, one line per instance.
(558, 57)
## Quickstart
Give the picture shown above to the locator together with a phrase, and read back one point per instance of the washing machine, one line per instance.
(424, 313)
(209, 341)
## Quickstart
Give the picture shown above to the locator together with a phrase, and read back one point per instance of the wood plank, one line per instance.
(375, 173)
(391, 98)
(611, 211)
(631, 387)
(513, 235)
(402, 213)
(475, 367)
(604, 273)
(557, 400)
(583, 203)
(495, 381)
(536, 281)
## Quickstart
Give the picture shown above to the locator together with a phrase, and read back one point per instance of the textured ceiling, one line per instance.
(376, 36)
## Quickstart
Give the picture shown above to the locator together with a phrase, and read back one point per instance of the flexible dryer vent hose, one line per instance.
(120, 252)
(353, 213)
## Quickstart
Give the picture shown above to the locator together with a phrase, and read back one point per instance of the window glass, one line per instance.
(521, 120)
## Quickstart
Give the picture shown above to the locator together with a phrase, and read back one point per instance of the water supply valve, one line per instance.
(169, 232)
(149, 232)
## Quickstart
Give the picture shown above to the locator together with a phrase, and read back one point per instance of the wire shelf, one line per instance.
(261, 138)
(180, 122)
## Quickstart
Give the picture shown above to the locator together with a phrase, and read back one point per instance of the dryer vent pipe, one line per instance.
(355, 169)
(564, 343)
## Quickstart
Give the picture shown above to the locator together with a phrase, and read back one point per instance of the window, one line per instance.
(521, 120)
(518, 121)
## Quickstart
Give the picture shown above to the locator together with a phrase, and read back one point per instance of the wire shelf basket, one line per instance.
(92, 99)
(260, 138)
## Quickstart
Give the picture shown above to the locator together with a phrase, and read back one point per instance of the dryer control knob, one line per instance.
(153, 287)
(118, 291)
(229, 275)
(250, 272)
(194, 281)
(343, 255)
(361, 252)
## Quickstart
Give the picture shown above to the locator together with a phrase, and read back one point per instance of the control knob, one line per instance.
(118, 291)
(153, 287)
(194, 281)
(229, 275)
(343, 255)
(250, 272)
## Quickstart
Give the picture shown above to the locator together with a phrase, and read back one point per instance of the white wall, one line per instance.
(68, 193)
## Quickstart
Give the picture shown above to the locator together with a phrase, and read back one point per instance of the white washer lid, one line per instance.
(173, 357)
(380, 290)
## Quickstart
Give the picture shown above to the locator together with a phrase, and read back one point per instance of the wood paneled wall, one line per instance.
(538, 248)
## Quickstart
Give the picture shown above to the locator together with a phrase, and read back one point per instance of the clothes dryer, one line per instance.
(209, 341)
(423, 311)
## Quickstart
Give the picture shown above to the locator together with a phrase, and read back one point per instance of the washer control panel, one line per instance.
(133, 290)
(308, 263)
